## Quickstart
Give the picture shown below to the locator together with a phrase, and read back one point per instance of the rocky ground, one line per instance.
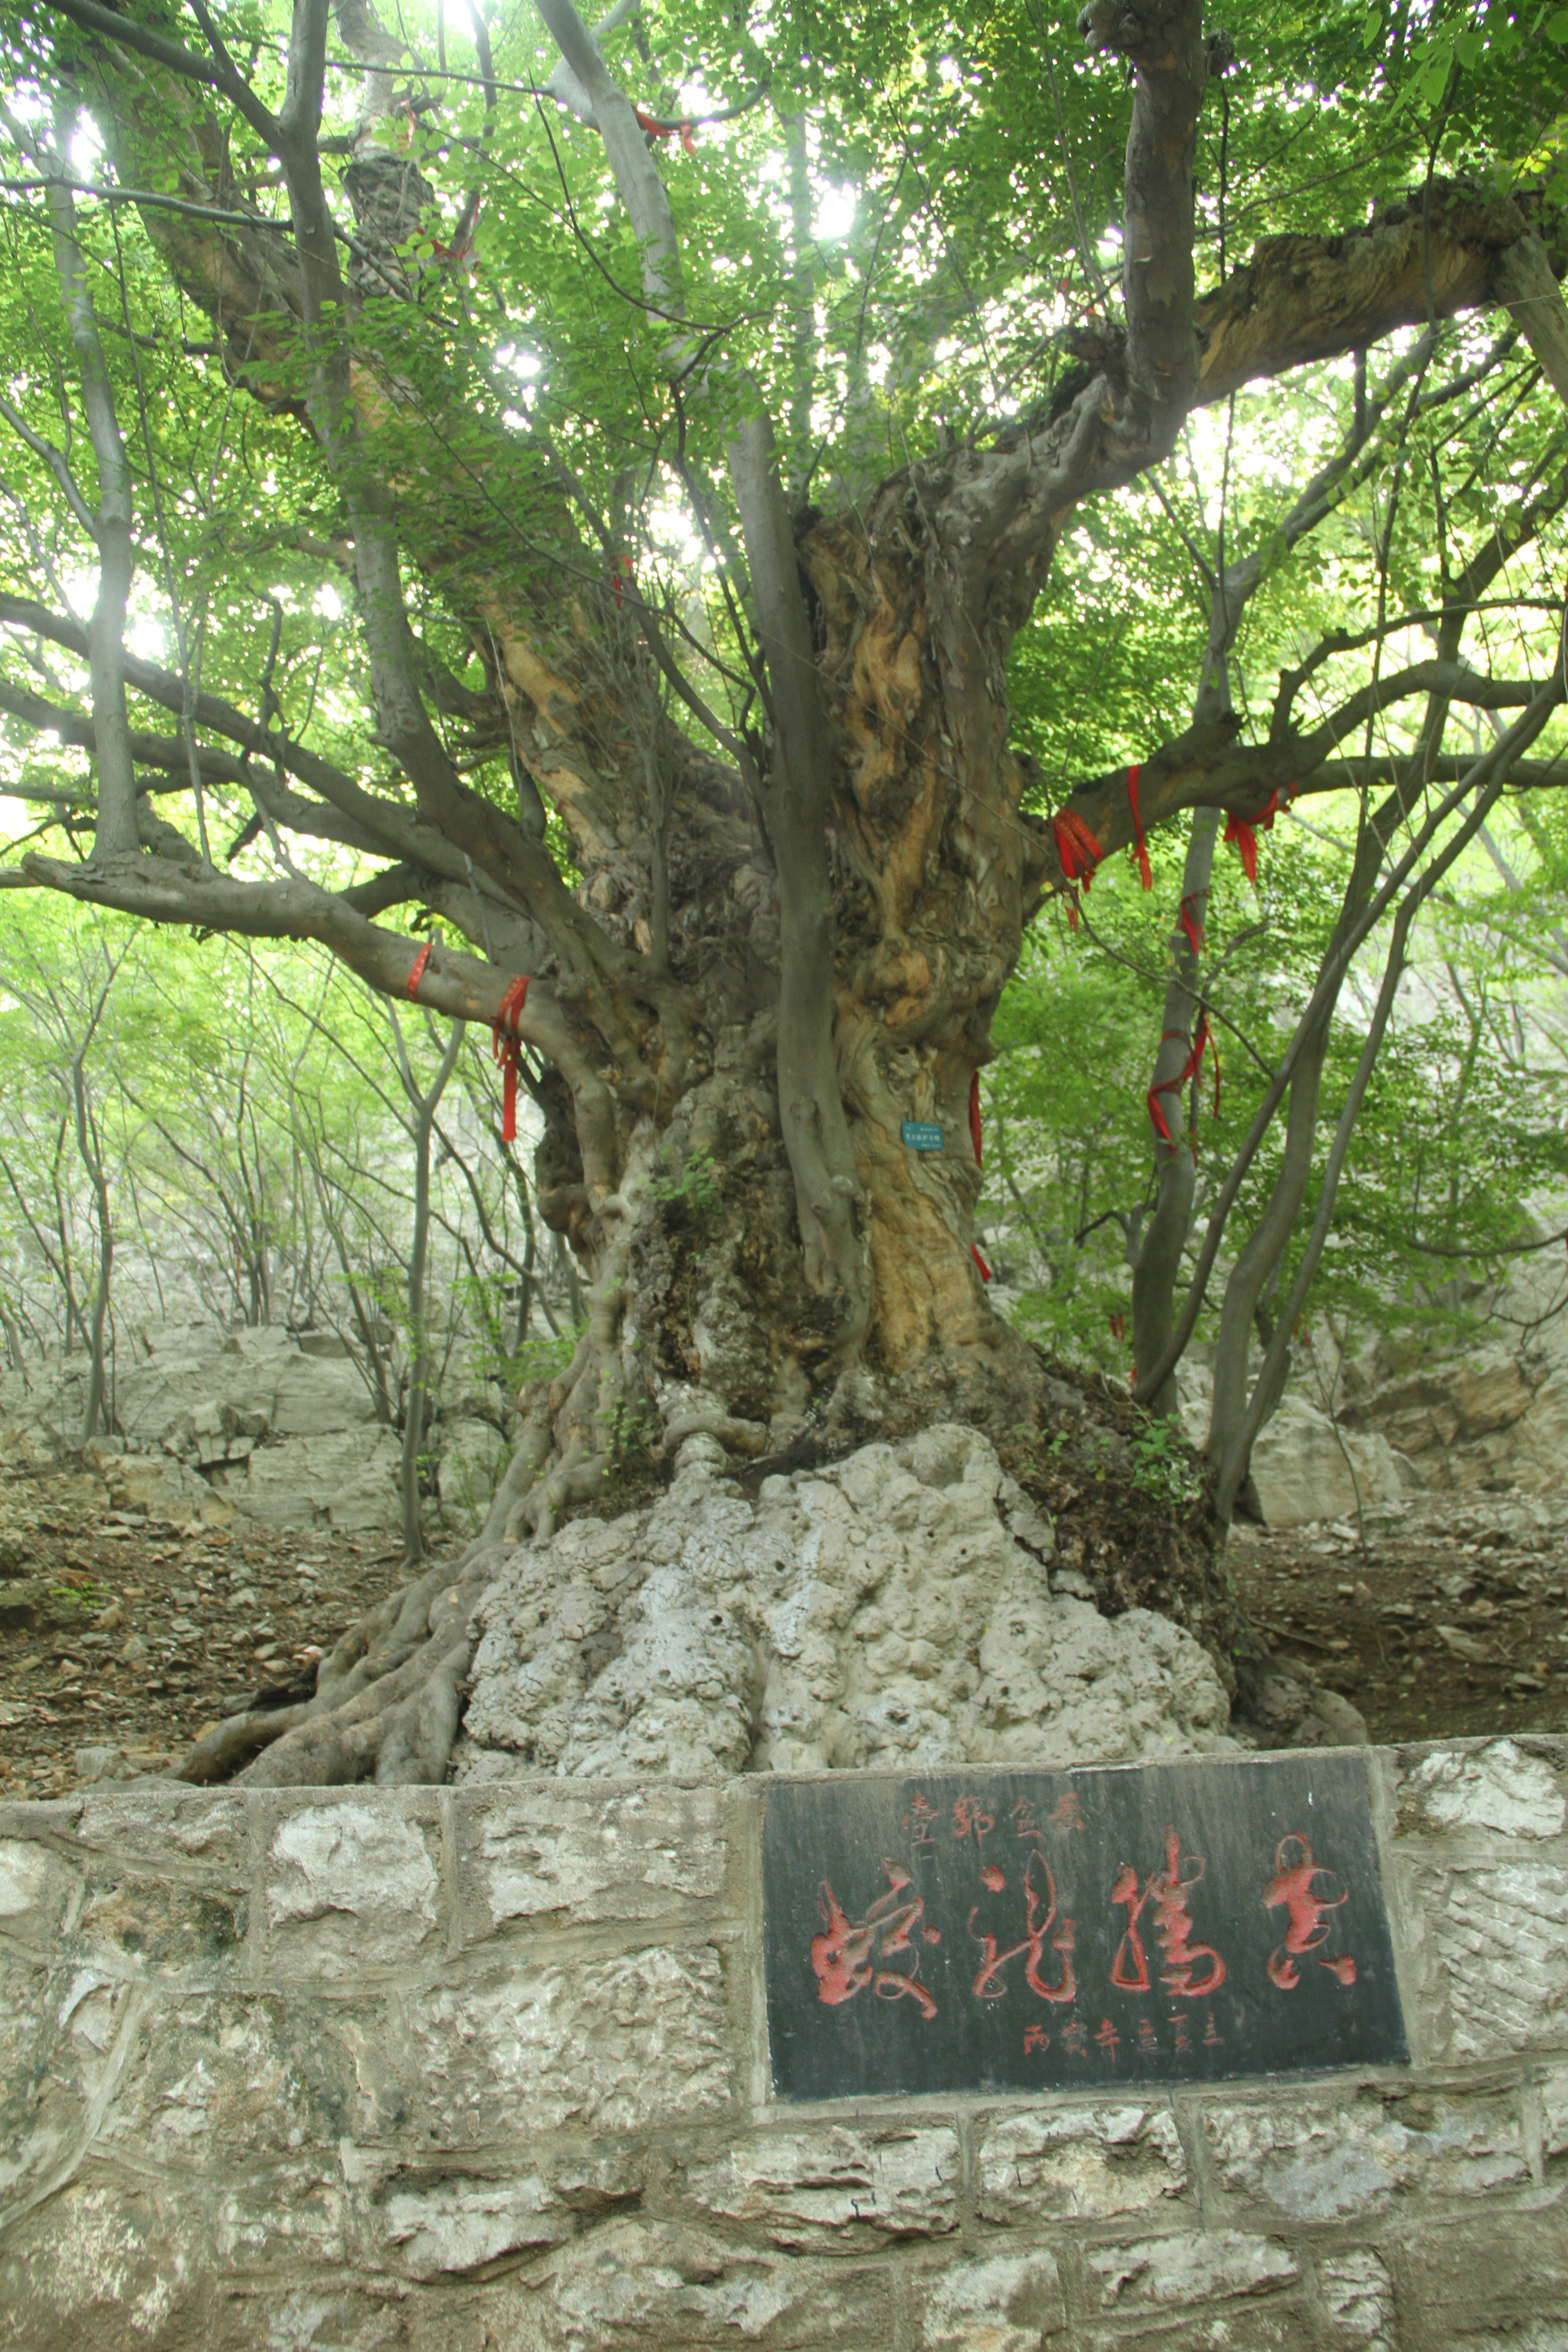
(1452, 1619)
(122, 1632)
(119, 1631)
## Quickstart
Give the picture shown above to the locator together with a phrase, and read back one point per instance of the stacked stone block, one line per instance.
(485, 2070)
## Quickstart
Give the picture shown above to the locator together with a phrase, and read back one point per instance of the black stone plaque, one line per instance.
(1074, 1930)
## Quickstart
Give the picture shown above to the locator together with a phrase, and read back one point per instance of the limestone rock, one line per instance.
(1300, 1469)
(257, 1380)
(347, 1479)
(1498, 1788)
(161, 1487)
(893, 1610)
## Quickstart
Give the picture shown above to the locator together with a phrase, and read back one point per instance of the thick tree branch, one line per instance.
(216, 74)
(1301, 299)
(115, 836)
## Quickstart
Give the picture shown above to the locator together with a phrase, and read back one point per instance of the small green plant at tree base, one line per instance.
(1161, 1466)
(634, 1430)
(696, 1188)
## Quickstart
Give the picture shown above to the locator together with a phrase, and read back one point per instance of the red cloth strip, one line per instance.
(1244, 833)
(1237, 829)
(1189, 1070)
(1140, 846)
(504, 1046)
(1076, 846)
(687, 128)
(416, 970)
(980, 1261)
(1187, 917)
(974, 1116)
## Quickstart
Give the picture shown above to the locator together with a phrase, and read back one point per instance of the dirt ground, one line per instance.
(122, 1632)
(1451, 1621)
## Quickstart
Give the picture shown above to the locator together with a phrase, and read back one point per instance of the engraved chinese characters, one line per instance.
(1174, 1922)
(842, 1957)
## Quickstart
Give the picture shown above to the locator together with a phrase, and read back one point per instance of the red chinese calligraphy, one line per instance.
(1039, 1913)
(1035, 2038)
(969, 1821)
(1067, 1813)
(1147, 2038)
(1180, 2023)
(918, 1820)
(1074, 2037)
(1024, 1824)
(842, 1956)
(992, 1878)
(1212, 2041)
(1305, 1910)
(1167, 1890)
(1108, 2039)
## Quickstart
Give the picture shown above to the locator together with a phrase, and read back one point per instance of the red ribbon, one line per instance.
(417, 969)
(460, 246)
(1140, 846)
(1076, 846)
(974, 1139)
(1078, 851)
(504, 1046)
(1244, 833)
(1187, 918)
(1237, 829)
(668, 130)
(1190, 1069)
(615, 581)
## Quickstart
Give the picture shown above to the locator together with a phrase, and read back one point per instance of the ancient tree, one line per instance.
(746, 820)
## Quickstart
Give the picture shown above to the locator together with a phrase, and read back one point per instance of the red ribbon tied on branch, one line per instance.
(1186, 915)
(1140, 846)
(1078, 851)
(1192, 1068)
(1245, 832)
(974, 1139)
(656, 130)
(505, 1047)
(416, 970)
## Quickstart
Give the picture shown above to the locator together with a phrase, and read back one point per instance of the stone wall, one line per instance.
(483, 2069)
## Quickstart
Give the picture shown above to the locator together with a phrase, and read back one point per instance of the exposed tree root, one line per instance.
(389, 1698)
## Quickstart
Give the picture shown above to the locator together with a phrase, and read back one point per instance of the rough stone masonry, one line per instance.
(483, 2069)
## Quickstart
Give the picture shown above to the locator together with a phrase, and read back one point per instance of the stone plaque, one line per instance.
(1075, 1930)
